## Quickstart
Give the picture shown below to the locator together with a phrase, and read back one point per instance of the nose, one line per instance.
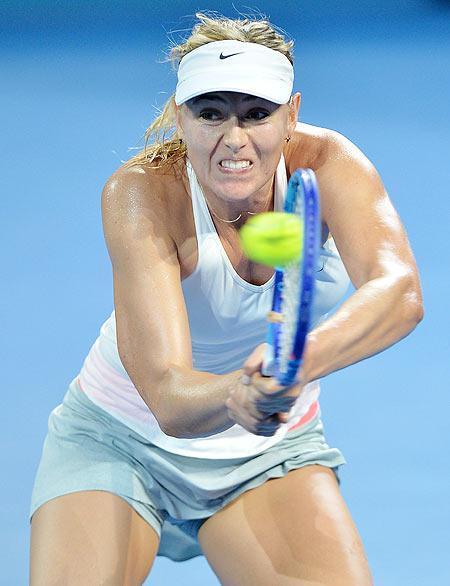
(235, 136)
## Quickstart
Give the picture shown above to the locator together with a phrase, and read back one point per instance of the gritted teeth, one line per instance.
(231, 164)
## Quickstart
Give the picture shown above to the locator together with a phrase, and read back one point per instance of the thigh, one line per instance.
(90, 537)
(290, 530)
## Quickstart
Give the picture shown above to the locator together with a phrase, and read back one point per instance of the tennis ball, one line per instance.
(272, 238)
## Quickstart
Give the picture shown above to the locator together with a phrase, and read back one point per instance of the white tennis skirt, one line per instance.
(88, 449)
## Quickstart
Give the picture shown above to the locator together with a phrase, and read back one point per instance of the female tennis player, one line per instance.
(157, 447)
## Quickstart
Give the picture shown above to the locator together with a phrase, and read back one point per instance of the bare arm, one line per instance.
(152, 326)
(153, 331)
(387, 303)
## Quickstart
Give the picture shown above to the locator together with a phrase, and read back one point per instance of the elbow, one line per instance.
(170, 424)
(419, 314)
(172, 407)
(175, 425)
(412, 319)
(166, 424)
(413, 305)
(190, 427)
(174, 430)
(169, 431)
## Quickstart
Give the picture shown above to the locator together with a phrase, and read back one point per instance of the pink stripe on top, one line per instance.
(114, 392)
(310, 414)
(106, 387)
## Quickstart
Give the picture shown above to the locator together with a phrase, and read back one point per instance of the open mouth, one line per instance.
(232, 165)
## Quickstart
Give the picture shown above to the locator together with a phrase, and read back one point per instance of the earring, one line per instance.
(287, 139)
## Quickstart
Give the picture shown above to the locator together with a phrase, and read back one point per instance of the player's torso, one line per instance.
(309, 146)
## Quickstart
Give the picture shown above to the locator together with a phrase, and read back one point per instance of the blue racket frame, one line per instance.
(301, 184)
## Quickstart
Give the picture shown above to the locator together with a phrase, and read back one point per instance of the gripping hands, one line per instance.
(258, 403)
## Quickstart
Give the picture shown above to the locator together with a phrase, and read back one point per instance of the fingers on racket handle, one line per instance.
(268, 366)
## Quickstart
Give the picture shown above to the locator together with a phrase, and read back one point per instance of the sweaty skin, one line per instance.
(149, 223)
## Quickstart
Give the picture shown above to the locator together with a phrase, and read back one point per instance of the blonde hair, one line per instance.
(166, 147)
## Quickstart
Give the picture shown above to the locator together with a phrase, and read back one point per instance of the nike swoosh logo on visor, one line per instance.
(222, 56)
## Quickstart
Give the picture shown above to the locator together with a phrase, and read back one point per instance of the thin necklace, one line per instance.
(231, 221)
(221, 219)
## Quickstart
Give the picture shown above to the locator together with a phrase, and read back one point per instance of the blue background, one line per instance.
(80, 82)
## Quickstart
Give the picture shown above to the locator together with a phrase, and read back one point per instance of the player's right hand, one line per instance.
(259, 403)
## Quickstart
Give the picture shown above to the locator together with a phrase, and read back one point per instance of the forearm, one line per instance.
(197, 402)
(381, 312)
(377, 315)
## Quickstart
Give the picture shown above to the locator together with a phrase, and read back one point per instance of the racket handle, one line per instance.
(268, 366)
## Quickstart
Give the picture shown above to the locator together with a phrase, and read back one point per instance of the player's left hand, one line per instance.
(259, 403)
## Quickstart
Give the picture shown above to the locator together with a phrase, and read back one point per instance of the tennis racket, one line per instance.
(290, 316)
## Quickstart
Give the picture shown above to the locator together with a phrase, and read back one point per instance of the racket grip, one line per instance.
(268, 366)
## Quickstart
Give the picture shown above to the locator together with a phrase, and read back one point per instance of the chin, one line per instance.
(234, 191)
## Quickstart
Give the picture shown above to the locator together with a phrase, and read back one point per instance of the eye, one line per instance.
(257, 114)
(210, 115)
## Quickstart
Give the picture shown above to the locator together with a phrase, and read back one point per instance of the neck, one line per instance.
(237, 213)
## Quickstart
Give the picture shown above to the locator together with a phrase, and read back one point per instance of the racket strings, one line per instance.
(290, 298)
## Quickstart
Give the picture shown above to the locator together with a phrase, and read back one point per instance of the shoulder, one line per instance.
(329, 153)
(142, 191)
(141, 184)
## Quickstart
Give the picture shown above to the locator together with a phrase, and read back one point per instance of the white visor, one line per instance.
(235, 66)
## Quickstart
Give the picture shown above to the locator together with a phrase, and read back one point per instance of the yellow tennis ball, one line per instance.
(272, 238)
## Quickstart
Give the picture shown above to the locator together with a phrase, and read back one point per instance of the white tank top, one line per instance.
(227, 318)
